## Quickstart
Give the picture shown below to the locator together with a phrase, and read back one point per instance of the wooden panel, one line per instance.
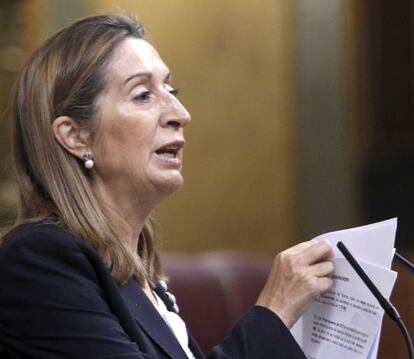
(12, 53)
(392, 341)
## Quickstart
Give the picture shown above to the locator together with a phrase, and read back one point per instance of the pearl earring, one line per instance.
(88, 161)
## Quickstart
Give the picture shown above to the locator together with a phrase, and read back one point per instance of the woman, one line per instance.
(98, 142)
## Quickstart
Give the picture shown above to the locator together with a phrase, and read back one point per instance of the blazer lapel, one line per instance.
(192, 343)
(195, 349)
(150, 320)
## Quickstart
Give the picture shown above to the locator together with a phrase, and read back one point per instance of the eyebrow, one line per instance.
(147, 76)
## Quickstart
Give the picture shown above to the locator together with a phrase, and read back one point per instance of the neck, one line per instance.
(126, 211)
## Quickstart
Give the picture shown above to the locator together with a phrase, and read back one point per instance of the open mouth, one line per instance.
(170, 150)
(167, 152)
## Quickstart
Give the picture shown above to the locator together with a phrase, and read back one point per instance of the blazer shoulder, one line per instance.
(40, 235)
(60, 299)
(37, 247)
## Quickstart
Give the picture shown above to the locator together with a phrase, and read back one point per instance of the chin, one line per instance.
(171, 185)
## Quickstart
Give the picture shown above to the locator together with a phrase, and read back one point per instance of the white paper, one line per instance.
(346, 321)
(373, 243)
(374, 349)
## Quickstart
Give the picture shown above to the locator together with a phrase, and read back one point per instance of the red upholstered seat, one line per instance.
(214, 290)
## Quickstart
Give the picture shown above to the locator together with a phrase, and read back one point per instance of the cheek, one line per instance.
(126, 141)
(126, 134)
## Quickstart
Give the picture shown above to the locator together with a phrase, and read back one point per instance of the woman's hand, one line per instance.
(298, 276)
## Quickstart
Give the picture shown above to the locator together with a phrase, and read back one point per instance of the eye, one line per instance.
(143, 96)
(172, 90)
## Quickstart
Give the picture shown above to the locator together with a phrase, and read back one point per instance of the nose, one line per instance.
(175, 114)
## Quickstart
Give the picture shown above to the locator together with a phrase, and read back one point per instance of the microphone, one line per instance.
(405, 263)
(384, 302)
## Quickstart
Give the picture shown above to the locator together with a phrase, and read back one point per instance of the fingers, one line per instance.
(322, 269)
(302, 246)
(324, 284)
(316, 252)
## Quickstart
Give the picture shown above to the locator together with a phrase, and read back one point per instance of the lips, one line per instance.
(170, 150)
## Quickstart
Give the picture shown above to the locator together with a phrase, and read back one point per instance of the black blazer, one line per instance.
(59, 300)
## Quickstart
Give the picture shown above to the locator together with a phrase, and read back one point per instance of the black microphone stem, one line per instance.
(384, 302)
(405, 263)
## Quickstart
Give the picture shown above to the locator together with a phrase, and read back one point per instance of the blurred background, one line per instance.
(302, 114)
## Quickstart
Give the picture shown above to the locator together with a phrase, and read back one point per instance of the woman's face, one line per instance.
(140, 138)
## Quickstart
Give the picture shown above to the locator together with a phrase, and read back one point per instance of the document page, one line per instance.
(345, 322)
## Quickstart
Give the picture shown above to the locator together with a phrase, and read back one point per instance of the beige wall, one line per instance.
(234, 62)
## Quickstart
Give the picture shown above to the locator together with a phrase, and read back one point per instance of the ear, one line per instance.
(71, 136)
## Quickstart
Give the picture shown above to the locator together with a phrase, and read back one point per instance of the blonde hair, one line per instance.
(64, 78)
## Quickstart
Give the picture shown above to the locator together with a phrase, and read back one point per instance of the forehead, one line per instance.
(133, 56)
